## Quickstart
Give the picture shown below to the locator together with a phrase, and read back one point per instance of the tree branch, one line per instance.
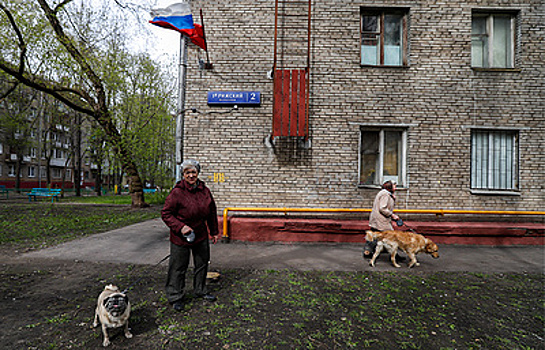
(9, 91)
(61, 5)
(55, 90)
(21, 41)
(67, 42)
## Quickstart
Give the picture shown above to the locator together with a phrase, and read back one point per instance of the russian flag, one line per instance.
(178, 17)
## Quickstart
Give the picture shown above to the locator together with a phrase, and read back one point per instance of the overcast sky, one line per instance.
(164, 44)
(168, 41)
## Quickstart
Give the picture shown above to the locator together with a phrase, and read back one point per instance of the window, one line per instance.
(58, 153)
(384, 37)
(31, 171)
(382, 155)
(494, 160)
(56, 173)
(492, 40)
(1, 148)
(11, 171)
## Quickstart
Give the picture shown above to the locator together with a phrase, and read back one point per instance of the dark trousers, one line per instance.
(178, 265)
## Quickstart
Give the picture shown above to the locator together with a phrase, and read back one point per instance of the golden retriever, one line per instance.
(411, 243)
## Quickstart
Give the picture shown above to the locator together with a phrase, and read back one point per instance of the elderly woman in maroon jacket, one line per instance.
(190, 213)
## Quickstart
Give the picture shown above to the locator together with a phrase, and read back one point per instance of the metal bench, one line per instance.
(4, 191)
(150, 190)
(44, 192)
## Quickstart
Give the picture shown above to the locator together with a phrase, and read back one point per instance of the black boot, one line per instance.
(369, 249)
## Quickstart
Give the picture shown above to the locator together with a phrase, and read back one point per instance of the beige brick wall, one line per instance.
(438, 95)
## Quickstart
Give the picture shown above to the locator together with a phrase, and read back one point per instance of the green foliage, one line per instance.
(141, 103)
(95, 61)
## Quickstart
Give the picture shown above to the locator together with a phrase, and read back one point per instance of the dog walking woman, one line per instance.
(191, 214)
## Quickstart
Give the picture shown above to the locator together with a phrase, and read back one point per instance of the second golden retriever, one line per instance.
(411, 243)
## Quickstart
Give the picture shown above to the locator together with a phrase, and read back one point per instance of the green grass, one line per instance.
(151, 198)
(40, 224)
(270, 309)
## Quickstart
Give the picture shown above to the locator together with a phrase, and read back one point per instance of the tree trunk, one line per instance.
(18, 174)
(136, 189)
(77, 157)
(98, 180)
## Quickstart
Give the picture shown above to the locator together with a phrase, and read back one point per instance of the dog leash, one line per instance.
(404, 224)
(138, 280)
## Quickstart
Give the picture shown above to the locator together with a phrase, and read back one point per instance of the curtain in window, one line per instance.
(493, 160)
(369, 157)
(501, 42)
(393, 33)
(370, 51)
(479, 42)
(392, 155)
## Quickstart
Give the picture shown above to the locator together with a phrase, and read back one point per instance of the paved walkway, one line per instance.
(147, 243)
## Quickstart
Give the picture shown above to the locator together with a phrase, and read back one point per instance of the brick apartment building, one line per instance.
(47, 159)
(445, 97)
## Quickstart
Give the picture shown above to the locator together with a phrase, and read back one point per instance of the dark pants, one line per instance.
(370, 246)
(178, 265)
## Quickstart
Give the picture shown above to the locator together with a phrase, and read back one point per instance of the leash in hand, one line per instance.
(400, 223)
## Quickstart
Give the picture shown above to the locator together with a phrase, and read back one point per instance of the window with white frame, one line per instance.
(43, 172)
(382, 155)
(1, 148)
(493, 39)
(31, 171)
(384, 36)
(11, 171)
(494, 160)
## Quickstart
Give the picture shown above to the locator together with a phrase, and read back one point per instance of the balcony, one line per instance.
(58, 162)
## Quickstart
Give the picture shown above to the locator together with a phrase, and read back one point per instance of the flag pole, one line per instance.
(181, 106)
(207, 65)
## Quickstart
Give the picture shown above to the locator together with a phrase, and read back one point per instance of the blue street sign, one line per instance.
(230, 98)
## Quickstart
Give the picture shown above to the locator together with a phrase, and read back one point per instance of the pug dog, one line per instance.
(113, 311)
